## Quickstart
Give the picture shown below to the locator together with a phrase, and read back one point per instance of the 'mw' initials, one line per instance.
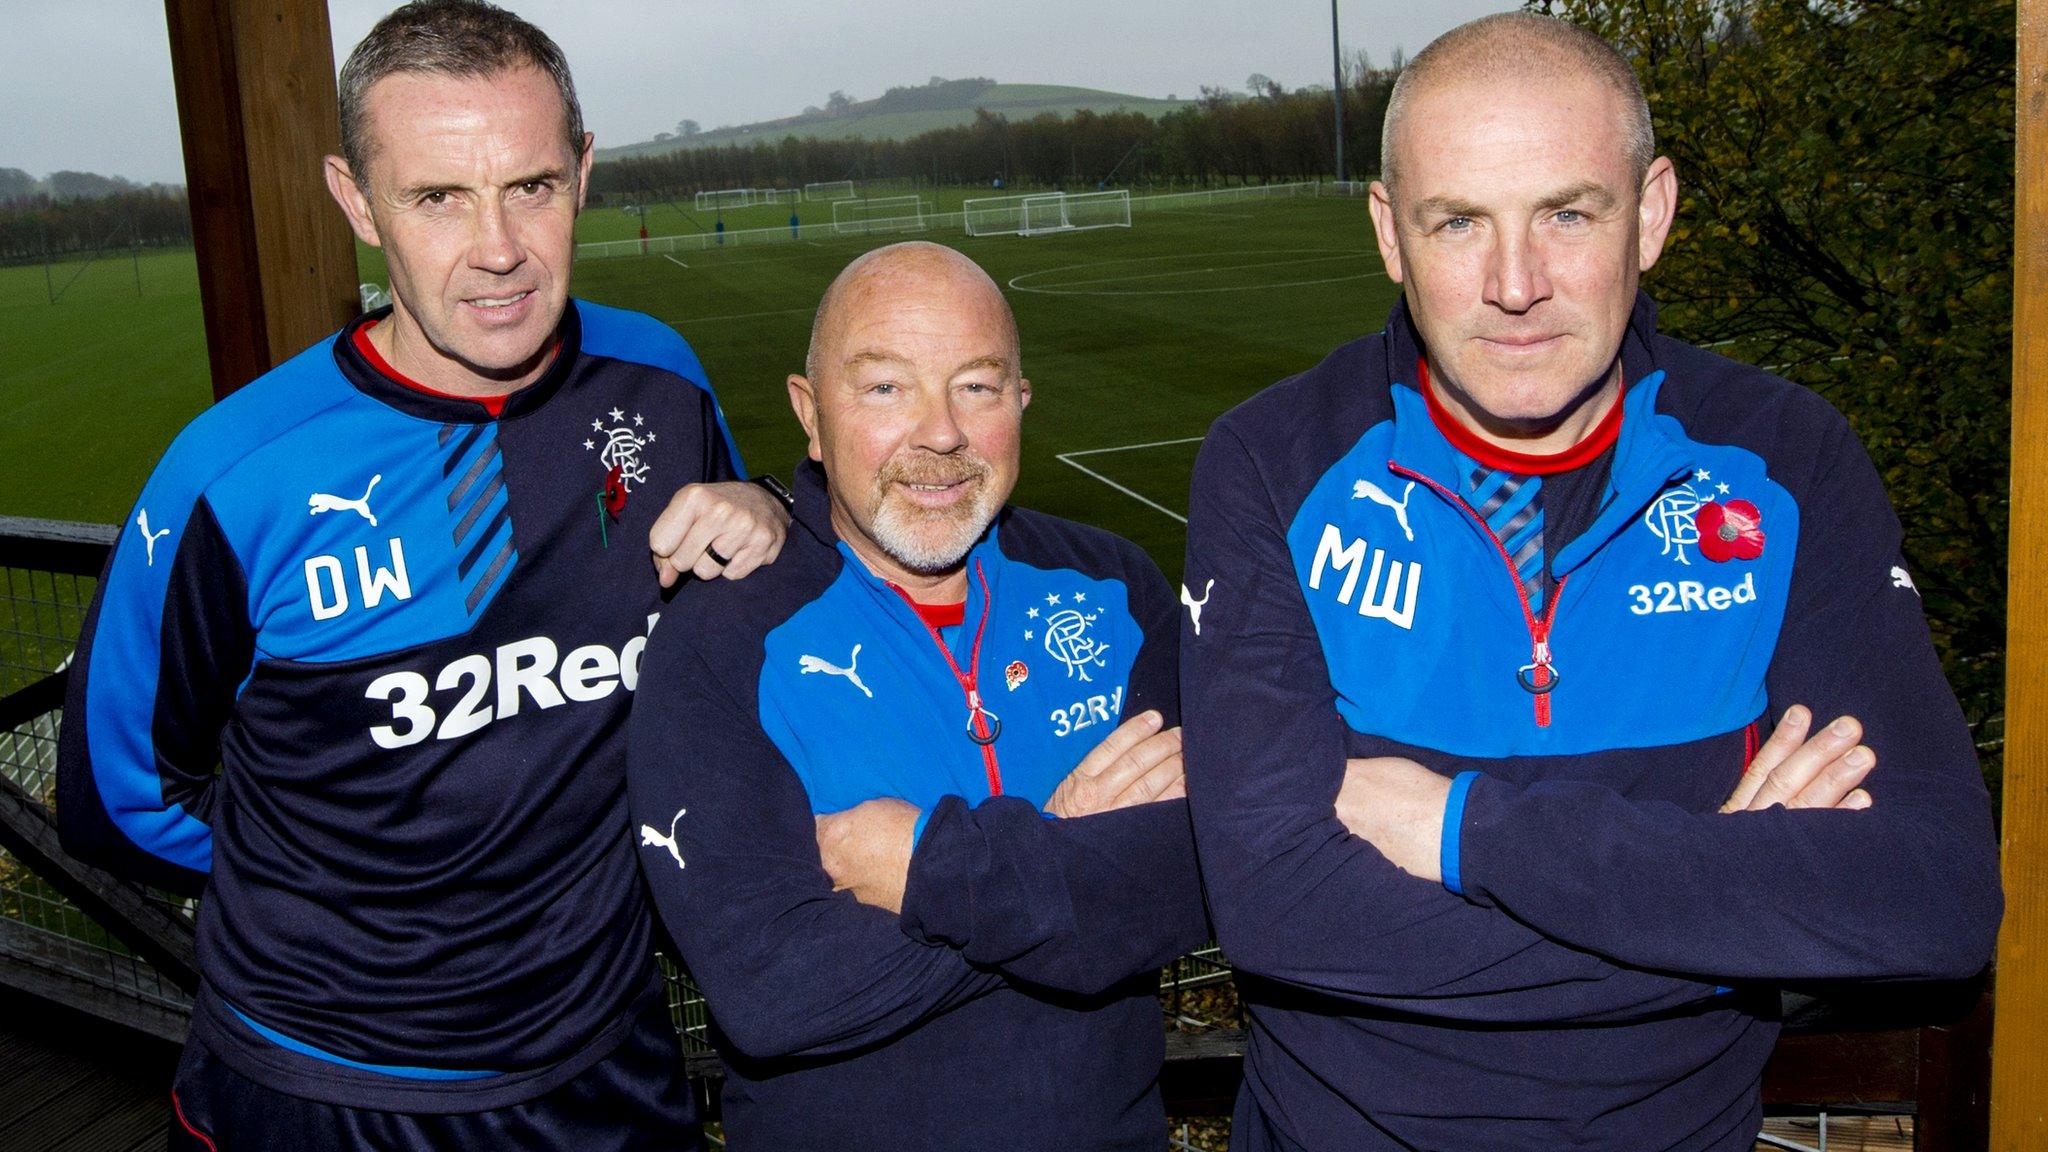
(1391, 602)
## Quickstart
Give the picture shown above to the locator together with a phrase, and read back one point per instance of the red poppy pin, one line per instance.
(1015, 674)
(615, 491)
(1730, 530)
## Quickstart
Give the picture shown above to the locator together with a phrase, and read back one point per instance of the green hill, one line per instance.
(901, 113)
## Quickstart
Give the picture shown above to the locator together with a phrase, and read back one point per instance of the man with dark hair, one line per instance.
(402, 608)
(1494, 606)
(958, 714)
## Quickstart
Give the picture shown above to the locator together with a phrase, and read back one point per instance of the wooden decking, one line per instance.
(73, 1083)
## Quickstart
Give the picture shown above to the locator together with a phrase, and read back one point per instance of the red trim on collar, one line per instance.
(495, 405)
(1521, 463)
(941, 615)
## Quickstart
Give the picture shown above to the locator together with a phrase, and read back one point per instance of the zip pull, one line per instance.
(1539, 676)
(983, 726)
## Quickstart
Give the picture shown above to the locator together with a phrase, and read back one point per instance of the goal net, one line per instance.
(727, 198)
(1035, 215)
(1042, 214)
(993, 215)
(881, 214)
(1095, 209)
(829, 190)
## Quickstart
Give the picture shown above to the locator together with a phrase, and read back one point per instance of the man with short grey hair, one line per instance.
(1498, 855)
(402, 606)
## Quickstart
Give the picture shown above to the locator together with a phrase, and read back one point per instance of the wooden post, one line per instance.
(2019, 1065)
(256, 107)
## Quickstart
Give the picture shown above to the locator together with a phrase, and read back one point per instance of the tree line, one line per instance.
(43, 226)
(1223, 138)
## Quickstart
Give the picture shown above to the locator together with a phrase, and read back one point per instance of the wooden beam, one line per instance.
(256, 108)
(2019, 1065)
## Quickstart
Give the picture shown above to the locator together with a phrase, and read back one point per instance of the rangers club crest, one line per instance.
(1700, 515)
(1067, 635)
(1670, 519)
(622, 451)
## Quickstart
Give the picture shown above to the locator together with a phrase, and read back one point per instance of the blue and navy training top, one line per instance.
(1590, 972)
(1013, 1003)
(406, 632)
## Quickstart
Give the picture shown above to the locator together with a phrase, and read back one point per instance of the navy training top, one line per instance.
(1591, 972)
(1013, 1004)
(407, 632)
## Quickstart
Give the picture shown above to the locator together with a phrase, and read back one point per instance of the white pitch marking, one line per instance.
(1067, 458)
(1135, 447)
(1139, 497)
(673, 260)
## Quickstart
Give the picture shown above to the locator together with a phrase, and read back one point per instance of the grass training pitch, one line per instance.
(1134, 340)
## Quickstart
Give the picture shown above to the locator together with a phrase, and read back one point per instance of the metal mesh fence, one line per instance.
(40, 617)
(686, 1007)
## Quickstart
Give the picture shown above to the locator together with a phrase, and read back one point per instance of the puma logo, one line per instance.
(650, 838)
(810, 664)
(1195, 606)
(322, 502)
(1367, 490)
(149, 538)
(1900, 579)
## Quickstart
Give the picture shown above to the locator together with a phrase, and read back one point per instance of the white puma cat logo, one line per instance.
(322, 502)
(1195, 606)
(149, 538)
(649, 837)
(1367, 490)
(810, 664)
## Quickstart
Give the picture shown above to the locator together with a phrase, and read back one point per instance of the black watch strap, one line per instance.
(777, 489)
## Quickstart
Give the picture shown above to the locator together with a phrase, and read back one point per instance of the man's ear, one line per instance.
(1659, 207)
(341, 184)
(1386, 228)
(1023, 393)
(583, 169)
(803, 399)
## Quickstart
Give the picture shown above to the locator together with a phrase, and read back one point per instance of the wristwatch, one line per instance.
(777, 489)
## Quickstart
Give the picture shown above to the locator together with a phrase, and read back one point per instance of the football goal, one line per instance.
(829, 190)
(881, 214)
(728, 198)
(1036, 215)
(993, 215)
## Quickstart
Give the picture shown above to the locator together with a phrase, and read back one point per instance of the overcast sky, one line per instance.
(86, 84)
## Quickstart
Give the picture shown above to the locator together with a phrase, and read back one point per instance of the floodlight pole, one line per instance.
(1337, 86)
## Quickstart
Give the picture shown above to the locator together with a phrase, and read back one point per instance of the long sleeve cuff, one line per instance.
(1454, 824)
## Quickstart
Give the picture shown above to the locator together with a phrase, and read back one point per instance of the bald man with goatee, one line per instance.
(1498, 604)
(911, 806)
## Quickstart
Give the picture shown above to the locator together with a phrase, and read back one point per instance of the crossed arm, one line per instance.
(1578, 902)
(1097, 888)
